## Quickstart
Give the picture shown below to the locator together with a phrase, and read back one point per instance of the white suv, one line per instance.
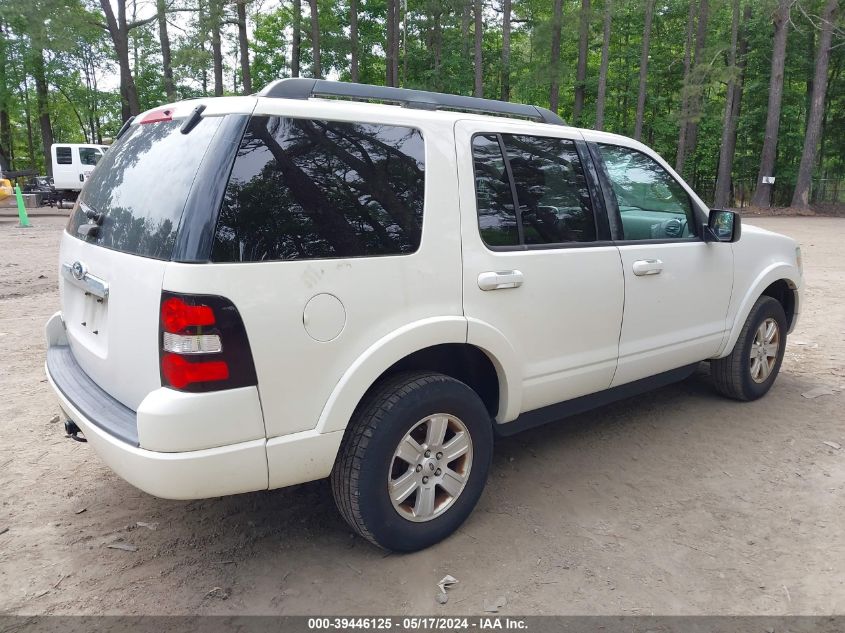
(263, 291)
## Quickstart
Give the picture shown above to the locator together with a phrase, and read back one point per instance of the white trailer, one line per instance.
(72, 165)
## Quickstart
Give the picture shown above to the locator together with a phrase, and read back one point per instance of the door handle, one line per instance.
(498, 280)
(648, 267)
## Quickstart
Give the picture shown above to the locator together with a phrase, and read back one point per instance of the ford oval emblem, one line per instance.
(78, 270)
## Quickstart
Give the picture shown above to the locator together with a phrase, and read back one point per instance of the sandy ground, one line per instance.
(676, 502)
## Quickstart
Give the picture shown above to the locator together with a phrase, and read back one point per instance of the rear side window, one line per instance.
(64, 156)
(306, 189)
(141, 185)
(542, 179)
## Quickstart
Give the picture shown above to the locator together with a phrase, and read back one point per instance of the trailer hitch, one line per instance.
(73, 431)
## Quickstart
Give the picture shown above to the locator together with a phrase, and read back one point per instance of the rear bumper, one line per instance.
(211, 472)
(113, 431)
(231, 467)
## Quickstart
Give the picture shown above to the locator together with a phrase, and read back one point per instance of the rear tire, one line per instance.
(414, 460)
(749, 371)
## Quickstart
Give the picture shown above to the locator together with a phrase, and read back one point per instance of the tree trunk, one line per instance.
(296, 43)
(5, 124)
(638, 123)
(696, 98)
(581, 70)
(389, 78)
(722, 193)
(680, 156)
(353, 39)
(605, 61)
(506, 50)
(438, 47)
(316, 67)
(397, 14)
(43, 103)
(166, 59)
(554, 66)
(30, 144)
(201, 20)
(466, 20)
(119, 32)
(801, 196)
(215, 16)
(243, 47)
(479, 34)
(763, 192)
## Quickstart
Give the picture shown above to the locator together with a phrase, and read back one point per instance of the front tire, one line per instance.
(749, 371)
(414, 460)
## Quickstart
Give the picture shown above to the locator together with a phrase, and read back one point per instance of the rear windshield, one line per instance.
(141, 185)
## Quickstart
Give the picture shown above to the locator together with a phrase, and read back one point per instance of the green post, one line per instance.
(21, 208)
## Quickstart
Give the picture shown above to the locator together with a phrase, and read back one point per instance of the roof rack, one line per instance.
(303, 88)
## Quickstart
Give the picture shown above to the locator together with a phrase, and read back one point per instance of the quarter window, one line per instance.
(533, 194)
(64, 156)
(494, 196)
(304, 189)
(652, 204)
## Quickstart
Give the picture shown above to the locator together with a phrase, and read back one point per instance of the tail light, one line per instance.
(203, 344)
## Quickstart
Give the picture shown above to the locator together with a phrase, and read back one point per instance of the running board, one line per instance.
(561, 410)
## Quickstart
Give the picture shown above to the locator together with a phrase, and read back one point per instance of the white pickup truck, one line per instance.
(72, 165)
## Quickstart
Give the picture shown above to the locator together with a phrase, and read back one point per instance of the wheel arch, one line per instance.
(779, 281)
(437, 344)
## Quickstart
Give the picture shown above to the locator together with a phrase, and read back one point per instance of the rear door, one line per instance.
(116, 248)
(538, 263)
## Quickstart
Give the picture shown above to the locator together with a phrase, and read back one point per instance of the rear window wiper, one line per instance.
(91, 228)
(191, 122)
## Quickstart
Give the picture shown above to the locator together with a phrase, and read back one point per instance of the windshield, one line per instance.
(140, 187)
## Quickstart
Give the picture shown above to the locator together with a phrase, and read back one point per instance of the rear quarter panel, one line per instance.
(297, 375)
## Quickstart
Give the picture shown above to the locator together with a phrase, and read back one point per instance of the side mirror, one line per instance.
(722, 226)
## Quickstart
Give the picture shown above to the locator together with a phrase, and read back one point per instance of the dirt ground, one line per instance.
(676, 502)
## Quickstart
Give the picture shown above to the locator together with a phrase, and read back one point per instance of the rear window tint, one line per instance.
(306, 189)
(141, 185)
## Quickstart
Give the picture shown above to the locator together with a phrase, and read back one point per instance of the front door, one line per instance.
(539, 267)
(677, 287)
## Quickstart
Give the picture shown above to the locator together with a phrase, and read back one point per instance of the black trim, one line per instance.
(549, 247)
(517, 210)
(98, 407)
(605, 190)
(302, 88)
(692, 239)
(593, 186)
(195, 237)
(554, 412)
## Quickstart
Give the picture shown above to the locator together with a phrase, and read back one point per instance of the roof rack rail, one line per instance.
(303, 88)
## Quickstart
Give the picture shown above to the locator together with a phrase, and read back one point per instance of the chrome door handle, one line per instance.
(648, 267)
(498, 280)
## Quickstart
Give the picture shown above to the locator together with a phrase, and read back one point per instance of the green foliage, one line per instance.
(436, 52)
